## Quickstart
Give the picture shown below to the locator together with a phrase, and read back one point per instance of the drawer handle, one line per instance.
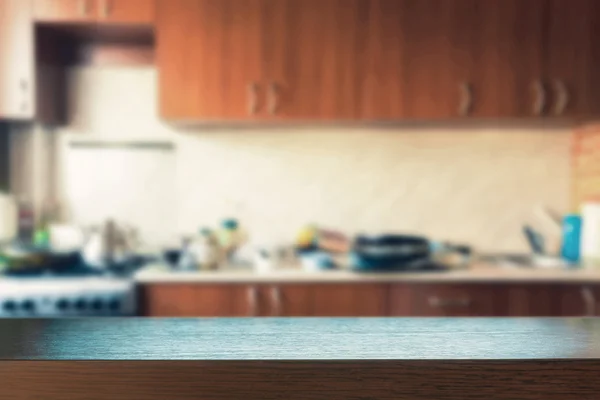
(589, 300)
(253, 301)
(253, 98)
(273, 98)
(277, 303)
(436, 302)
(539, 104)
(562, 93)
(466, 103)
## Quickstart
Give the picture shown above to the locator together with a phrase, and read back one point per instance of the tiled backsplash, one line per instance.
(476, 182)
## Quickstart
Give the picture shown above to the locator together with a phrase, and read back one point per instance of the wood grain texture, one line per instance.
(381, 61)
(370, 299)
(475, 300)
(404, 380)
(507, 54)
(238, 339)
(208, 56)
(431, 87)
(289, 300)
(310, 51)
(568, 55)
(17, 81)
(197, 300)
(362, 300)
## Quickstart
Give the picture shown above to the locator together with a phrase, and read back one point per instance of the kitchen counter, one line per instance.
(477, 273)
(301, 358)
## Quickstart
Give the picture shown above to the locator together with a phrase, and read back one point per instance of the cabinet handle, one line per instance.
(562, 101)
(107, 8)
(436, 302)
(252, 98)
(83, 7)
(540, 98)
(252, 301)
(277, 303)
(466, 102)
(273, 98)
(590, 301)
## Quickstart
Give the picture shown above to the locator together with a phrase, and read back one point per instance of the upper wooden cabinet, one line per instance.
(209, 59)
(311, 55)
(570, 58)
(500, 53)
(16, 60)
(95, 11)
(298, 59)
(378, 59)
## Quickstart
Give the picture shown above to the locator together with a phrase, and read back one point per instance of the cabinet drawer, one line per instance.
(198, 300)
(441, 300)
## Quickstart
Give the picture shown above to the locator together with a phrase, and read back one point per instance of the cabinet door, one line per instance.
(209, 59)
(507, 51)
(126, 11)
(448, 300)
(537, 300)
(65, 11)
(578, 300)
(17, 60)
(286, 301)
(310, 47)
(381, 65)
(431, 83)
(198, 300)
(569, 63)
(349, 300)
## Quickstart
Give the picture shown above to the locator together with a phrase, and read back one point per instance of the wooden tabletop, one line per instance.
(300, 339)
(300, 359)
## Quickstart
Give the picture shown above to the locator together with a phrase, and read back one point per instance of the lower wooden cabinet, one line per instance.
(193, 300)
(370, 300)
(448, 300)
(350, 300)
(264, 300)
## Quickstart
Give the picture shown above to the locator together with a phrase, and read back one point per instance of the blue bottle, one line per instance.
(571, 238)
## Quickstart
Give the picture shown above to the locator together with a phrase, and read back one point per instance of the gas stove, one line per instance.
(66, 296)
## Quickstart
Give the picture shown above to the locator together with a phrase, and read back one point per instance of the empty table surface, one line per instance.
(300, 339)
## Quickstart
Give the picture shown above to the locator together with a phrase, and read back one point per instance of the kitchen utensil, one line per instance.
(109, 245)
(19, 259)
(571, 238)
(404, 253)
(268, 258)
(535, 240)
(207, 251)
(317, 261)
(172, 257)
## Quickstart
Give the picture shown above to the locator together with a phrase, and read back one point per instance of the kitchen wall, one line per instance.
(476, 182)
